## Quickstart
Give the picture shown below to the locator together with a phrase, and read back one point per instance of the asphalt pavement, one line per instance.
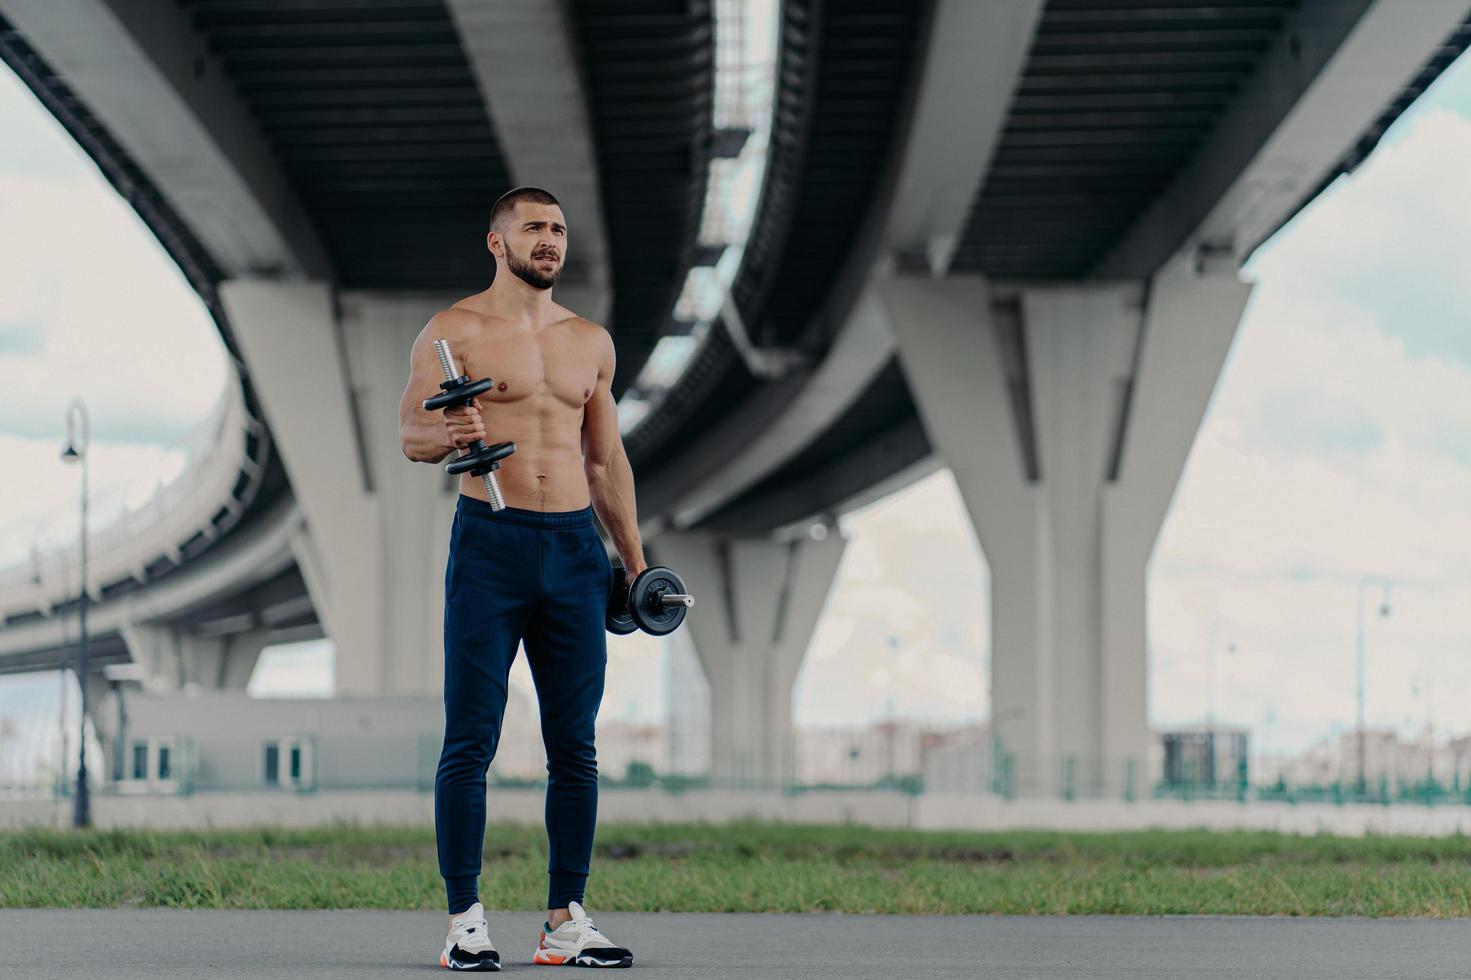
(163, 944)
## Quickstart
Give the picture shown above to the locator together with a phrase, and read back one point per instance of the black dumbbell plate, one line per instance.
(643, 600)
(618, 619)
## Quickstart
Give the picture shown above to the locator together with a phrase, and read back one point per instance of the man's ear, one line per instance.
(491, 240)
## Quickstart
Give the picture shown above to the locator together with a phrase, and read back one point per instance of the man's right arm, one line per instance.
(424, 435)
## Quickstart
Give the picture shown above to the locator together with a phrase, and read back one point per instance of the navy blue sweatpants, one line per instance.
(512, 577)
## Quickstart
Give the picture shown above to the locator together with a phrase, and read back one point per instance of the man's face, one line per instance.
(534, 241)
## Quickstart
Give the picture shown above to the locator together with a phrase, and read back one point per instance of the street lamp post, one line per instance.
(1269, 717)
(1210, 718)
(62, 694)
(76, 451)
(1362, 788)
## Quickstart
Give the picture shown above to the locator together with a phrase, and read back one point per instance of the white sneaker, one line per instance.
(468, 947)
(578, 941)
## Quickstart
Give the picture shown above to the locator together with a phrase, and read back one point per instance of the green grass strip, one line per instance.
(756, 867)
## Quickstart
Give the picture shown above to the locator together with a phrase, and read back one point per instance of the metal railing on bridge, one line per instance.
(224, 460)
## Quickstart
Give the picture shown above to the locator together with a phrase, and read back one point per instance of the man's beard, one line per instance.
(528, 272)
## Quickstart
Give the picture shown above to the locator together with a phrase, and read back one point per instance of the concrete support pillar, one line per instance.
(688, 697)
(104, 711)
(176, 659)
(331, 371)
(154, 647)
(223, 662)
(1066, 413)
(758, 602)
(415, 502)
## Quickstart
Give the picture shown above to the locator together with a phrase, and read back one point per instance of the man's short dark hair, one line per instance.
(505, 206)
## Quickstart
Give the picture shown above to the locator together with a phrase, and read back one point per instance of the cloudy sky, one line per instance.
(1338, 445)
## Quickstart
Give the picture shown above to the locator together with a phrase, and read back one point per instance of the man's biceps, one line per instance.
(595, 438)
(425, 387)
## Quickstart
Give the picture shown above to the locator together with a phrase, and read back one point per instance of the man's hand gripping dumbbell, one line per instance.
(464, 427)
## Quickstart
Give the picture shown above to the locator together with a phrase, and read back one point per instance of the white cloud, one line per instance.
(300, 670)
(90, 304)
(905, 629)
(1338, 444)
(118, 324)
(1392, 239)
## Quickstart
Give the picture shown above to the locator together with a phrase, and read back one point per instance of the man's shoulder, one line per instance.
(455, 318)
(586, 329)
(466, 323)
(573, 319)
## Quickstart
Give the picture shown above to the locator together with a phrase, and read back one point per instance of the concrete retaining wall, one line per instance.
(931, 811)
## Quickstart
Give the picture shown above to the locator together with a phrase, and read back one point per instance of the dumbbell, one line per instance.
(655, 603)
(477, 459)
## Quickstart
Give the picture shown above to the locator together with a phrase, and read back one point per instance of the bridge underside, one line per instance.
(1002, 238)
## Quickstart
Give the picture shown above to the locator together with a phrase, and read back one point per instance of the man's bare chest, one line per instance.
(522, 365)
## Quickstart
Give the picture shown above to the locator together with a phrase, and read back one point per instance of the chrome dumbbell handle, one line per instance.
(492, 486)
(677, 599)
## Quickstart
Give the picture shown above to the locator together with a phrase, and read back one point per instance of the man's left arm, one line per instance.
(609, 477)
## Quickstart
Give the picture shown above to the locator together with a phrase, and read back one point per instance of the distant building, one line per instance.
(1208, 756)
(1458, 752)
(1320, 765)
(951, 758)
(622, 743)
(1381, 755)
(857, 756)
(11, 763)
(1400, 763)
(959, 761)
(228, 741)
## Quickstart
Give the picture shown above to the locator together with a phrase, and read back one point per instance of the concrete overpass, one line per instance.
(1003, 238)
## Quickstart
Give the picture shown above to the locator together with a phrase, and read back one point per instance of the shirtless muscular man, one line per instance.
(534, 573)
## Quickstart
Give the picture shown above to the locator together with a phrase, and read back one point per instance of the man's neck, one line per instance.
(510, 297)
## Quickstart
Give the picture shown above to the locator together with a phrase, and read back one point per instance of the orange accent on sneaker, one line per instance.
(547, 958)
(443, 960)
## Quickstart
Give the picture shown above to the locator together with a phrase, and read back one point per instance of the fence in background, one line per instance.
(639, 757)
